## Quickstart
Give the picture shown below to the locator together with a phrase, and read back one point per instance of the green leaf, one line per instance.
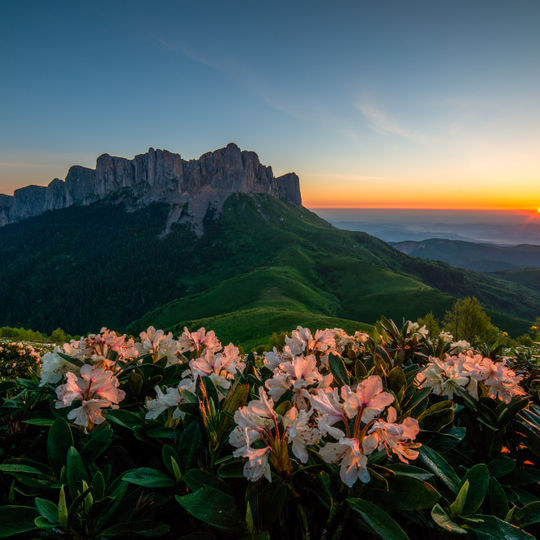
(509, 411)
(196, 479)
(437, 416)
(456, 508)
(135, 384)
(378, 520)
(440, 467)
(168, 453)
(235, 398)
(414, 400)
(98, 485)
(189, 446)
(96, 442)
(338, 369)
(39, 421)
(213, 507)
(498, 501)
(493, 528)
(442, 519)
(124, 418)
(60, 439)
(478, 477)
(43, 523)
(16, 519)
(75, 472)
(14, 468)
(528, 515)
(397, 379)
(62, 508)
(406, 493)
(47, 509)
(501, 466)
(404, 469)
(147, 477)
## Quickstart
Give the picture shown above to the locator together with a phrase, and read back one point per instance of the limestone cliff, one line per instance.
(190, 187)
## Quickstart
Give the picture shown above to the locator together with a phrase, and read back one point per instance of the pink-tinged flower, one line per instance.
(106, 341)
(159, 345)
(257, 464)
(272, 359)
(95, 388)
(396, 437)
(368, 399)
(196, 341)
(330, 412)
(302, 340)
(90, 412)
(353, 457)
(298, 375)
(220, 367)
(501, 382)
(278, 385)
(300, 433)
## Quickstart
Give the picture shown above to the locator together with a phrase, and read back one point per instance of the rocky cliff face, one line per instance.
(190, 187)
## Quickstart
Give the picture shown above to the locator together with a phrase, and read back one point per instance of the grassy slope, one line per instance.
(263, 266)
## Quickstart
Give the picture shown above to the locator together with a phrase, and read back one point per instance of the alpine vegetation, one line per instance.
(394, 434)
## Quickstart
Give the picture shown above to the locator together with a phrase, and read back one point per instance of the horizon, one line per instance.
(424, 105)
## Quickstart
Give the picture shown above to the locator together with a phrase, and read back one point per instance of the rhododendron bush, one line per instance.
(392, 434)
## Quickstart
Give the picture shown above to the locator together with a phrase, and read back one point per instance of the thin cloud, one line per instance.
(381, 122)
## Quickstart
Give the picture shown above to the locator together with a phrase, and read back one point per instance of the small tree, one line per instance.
(467, 320)
(431, 323)
(59, 336)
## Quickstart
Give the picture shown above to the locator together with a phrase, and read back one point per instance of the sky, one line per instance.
(390, 104)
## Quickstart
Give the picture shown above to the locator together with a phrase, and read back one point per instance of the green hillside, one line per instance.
(262, 266)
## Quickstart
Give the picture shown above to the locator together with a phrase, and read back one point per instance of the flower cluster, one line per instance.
(468, 371)
(89, 367)
(16, 359)
(343, 424)
(204, 356)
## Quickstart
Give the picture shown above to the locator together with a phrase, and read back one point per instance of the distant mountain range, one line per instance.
(254, 264)
(481, 257)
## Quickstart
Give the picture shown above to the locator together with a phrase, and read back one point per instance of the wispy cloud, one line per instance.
(382, 122)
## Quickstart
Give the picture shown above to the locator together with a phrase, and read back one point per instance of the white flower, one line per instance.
(54, 367)
(162, 402)
(446, 337)
(330, 411)
(460, 346)
(300, 433)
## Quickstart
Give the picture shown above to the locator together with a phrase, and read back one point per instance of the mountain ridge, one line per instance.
(477, 256)
(190, 187)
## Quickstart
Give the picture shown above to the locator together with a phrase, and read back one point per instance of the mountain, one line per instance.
(259, 263)
(188, 187)
(473, 256)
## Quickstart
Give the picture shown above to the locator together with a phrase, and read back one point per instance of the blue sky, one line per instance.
(389, 103)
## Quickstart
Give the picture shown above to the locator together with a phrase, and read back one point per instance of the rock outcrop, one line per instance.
(190, 187)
